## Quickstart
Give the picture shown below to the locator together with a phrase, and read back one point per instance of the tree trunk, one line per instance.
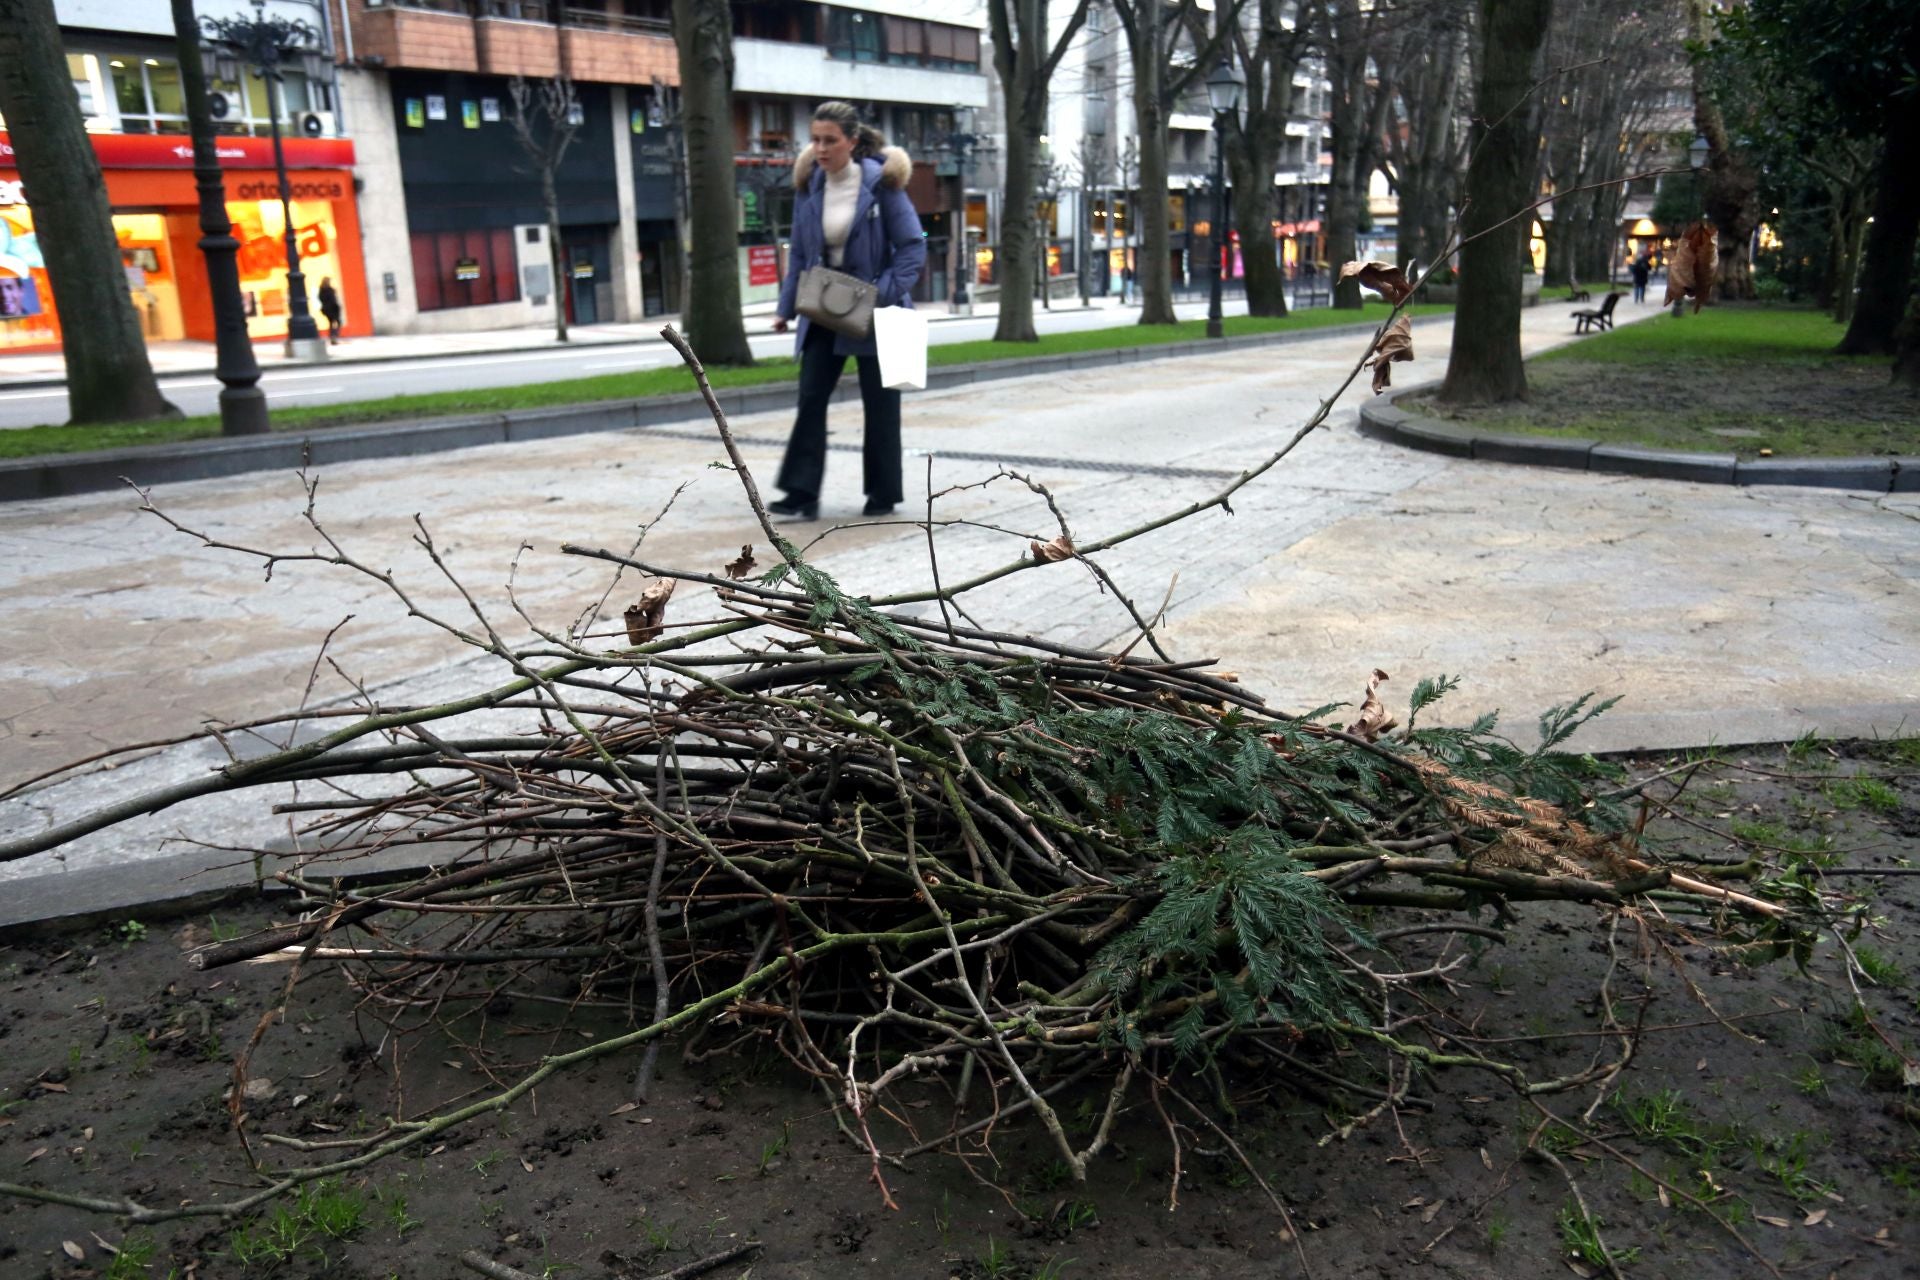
(1484, 364)
(1886, 274)
(1014, 267)
(556, 254)
(703, 33)
(109, 377)
(1729, 186)
(1906, 355)
(1253, 215)
(1353, 128)
(1154, 272)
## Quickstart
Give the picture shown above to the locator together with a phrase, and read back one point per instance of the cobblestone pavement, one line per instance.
(1717, 613)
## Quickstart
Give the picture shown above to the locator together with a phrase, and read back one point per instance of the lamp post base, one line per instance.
(307, 350)
(1214, 328)
(243, 411)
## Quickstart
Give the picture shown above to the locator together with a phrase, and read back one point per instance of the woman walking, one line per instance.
(852, 215)
(330, 308)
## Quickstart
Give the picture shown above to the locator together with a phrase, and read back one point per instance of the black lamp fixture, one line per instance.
(1224, 87)
(1699, 151)
(269, 45)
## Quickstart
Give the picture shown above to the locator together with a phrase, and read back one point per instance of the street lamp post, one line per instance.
(265, 44)
(1223, 94)
(243, 405)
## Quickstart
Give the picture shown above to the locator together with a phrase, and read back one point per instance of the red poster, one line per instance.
(763, 264)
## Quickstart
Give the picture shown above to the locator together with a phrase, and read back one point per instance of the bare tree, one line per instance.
(546, 120)
(1158, 33)
(1359, 58)
(1610, 69)
(1269, 55)
(703, 33)
(1484, 363)
(1425, 140)
(109, 377)
(1024, 57)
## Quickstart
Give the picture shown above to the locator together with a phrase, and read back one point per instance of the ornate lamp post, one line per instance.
(964, 146)
(243, 405)
(1224, 87)
(266, 44)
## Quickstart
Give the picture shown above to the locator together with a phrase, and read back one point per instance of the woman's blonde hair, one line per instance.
(867, 140)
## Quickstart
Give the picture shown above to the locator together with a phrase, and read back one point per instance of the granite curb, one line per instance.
(63, 475)
(1382, 419)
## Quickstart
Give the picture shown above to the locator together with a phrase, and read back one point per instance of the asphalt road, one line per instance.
(335, 384)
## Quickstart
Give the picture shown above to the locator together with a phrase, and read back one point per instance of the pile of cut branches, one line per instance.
(894, 846)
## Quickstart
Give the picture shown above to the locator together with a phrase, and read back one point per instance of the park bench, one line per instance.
(1600, 317)
(1578, 294)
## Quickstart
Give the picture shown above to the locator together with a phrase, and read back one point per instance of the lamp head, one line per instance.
(1224, 87)
(1699, 152)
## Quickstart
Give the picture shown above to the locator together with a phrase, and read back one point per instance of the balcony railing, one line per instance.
(597, 20)
(517, 10)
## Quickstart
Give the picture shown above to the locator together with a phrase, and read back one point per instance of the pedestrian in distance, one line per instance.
(851, 214)
(330, 308)
(1642, 271)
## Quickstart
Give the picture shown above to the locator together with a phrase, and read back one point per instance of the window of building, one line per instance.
(901, 42)
(133, 93)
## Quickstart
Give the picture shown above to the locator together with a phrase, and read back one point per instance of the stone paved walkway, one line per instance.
(1719, 614)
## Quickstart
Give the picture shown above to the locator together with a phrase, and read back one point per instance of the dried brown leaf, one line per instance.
(647, 616)
(1814, 1219)
(1771, 1220)
(1383, 278)
(1395, 344)
(737, 569)
(1061, 548)
(73, 1251)
(1374, 718)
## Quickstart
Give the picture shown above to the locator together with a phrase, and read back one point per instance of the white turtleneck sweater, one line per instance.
(838, 203)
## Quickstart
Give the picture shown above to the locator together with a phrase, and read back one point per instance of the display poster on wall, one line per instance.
(436, 106)
(490, 110)
(637, 120)
(470, 114)
(416, 114)
(18, 298)
(763, 264)
(466, 270)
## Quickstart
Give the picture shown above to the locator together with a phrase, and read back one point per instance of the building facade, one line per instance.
(124, 65)
(1090, 172)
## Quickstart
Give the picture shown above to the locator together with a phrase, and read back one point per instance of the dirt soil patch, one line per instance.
(1761, 1111)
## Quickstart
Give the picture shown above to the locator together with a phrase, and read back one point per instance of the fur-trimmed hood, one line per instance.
(895, 167)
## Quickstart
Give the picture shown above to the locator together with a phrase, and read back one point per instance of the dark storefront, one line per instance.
(471, 190)
(655, 180)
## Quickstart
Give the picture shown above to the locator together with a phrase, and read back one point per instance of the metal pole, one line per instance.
(303, 336)
(243, 405)
(1215, 329)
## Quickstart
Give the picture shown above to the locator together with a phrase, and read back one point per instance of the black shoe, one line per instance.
(796, 508)
(876, 508)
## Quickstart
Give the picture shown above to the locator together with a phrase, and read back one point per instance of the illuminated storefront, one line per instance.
(156, 217)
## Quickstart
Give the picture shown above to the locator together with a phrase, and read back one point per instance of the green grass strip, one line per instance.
(27, 442)
(1768, 334)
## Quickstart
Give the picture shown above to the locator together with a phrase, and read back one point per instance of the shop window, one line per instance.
(464, 268)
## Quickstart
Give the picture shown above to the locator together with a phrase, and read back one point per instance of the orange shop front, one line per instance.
(156, 217)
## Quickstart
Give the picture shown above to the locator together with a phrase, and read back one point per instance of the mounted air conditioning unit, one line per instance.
(318, 124)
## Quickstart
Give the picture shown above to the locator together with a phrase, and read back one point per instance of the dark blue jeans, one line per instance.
(805, 464)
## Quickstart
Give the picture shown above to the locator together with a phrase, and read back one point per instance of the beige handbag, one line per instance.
(837, 300)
